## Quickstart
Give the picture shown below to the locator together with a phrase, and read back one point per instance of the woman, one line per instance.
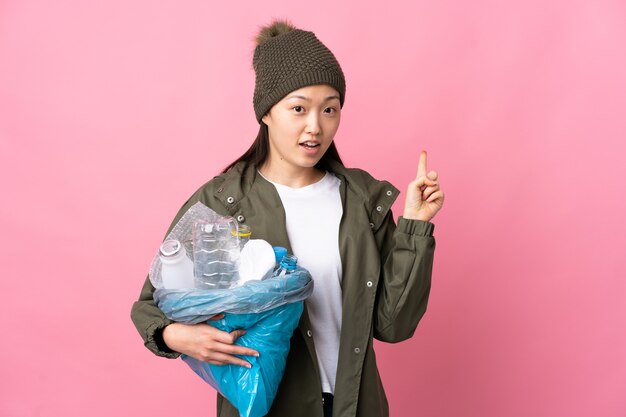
(372, 278)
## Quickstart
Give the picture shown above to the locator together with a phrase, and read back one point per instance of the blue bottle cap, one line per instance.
(289, 262)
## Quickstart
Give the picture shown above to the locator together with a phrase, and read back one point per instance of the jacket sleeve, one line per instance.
(404, 286)
(150, 322)
(147, 317)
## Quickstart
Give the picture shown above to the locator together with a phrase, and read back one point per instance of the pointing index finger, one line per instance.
(421, 167)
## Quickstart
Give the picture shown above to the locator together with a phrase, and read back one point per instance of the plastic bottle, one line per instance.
(279, 251)
(244, 233)
(216, 253)
(176, 267)
(257, 261)
(287, 265)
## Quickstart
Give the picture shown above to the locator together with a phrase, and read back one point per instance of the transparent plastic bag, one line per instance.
(196, 305)
(183, 231)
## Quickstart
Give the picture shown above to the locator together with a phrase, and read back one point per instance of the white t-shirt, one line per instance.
(313, 214)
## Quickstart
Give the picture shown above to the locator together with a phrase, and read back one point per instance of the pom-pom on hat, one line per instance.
(287, 58)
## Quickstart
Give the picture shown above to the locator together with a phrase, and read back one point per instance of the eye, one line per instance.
(298, 109)
(330, 110)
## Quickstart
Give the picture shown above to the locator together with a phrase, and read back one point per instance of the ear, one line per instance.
(266, 118)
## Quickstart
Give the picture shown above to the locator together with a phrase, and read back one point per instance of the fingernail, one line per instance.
(249, 366)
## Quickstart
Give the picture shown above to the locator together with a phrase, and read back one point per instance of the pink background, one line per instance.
(113, 113)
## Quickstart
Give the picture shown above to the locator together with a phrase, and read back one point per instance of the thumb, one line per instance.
(236, 334)
(421, 182)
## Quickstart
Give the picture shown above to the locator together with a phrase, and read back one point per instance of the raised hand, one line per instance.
(424, 197)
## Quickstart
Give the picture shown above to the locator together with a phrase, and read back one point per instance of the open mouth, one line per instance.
(309, 145)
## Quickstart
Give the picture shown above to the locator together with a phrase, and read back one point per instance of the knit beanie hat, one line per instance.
(286, 59)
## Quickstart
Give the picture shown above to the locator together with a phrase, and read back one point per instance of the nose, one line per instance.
(313, 127)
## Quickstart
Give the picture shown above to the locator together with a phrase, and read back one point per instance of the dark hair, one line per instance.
(257, 153)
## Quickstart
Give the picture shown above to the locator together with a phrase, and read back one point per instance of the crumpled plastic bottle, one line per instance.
(216, 253)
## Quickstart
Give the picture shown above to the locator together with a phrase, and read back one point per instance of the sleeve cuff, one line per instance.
(155, 341)
(415, 227)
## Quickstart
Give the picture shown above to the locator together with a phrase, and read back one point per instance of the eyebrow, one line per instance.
(308, 99)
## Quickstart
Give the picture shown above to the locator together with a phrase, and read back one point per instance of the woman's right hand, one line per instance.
(206, 343)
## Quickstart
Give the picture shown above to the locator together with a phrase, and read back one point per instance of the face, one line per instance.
(302, 126)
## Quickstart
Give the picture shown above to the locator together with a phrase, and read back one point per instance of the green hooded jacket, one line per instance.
(385, 286)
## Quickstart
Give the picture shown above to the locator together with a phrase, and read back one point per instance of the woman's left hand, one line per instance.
(424, 197)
